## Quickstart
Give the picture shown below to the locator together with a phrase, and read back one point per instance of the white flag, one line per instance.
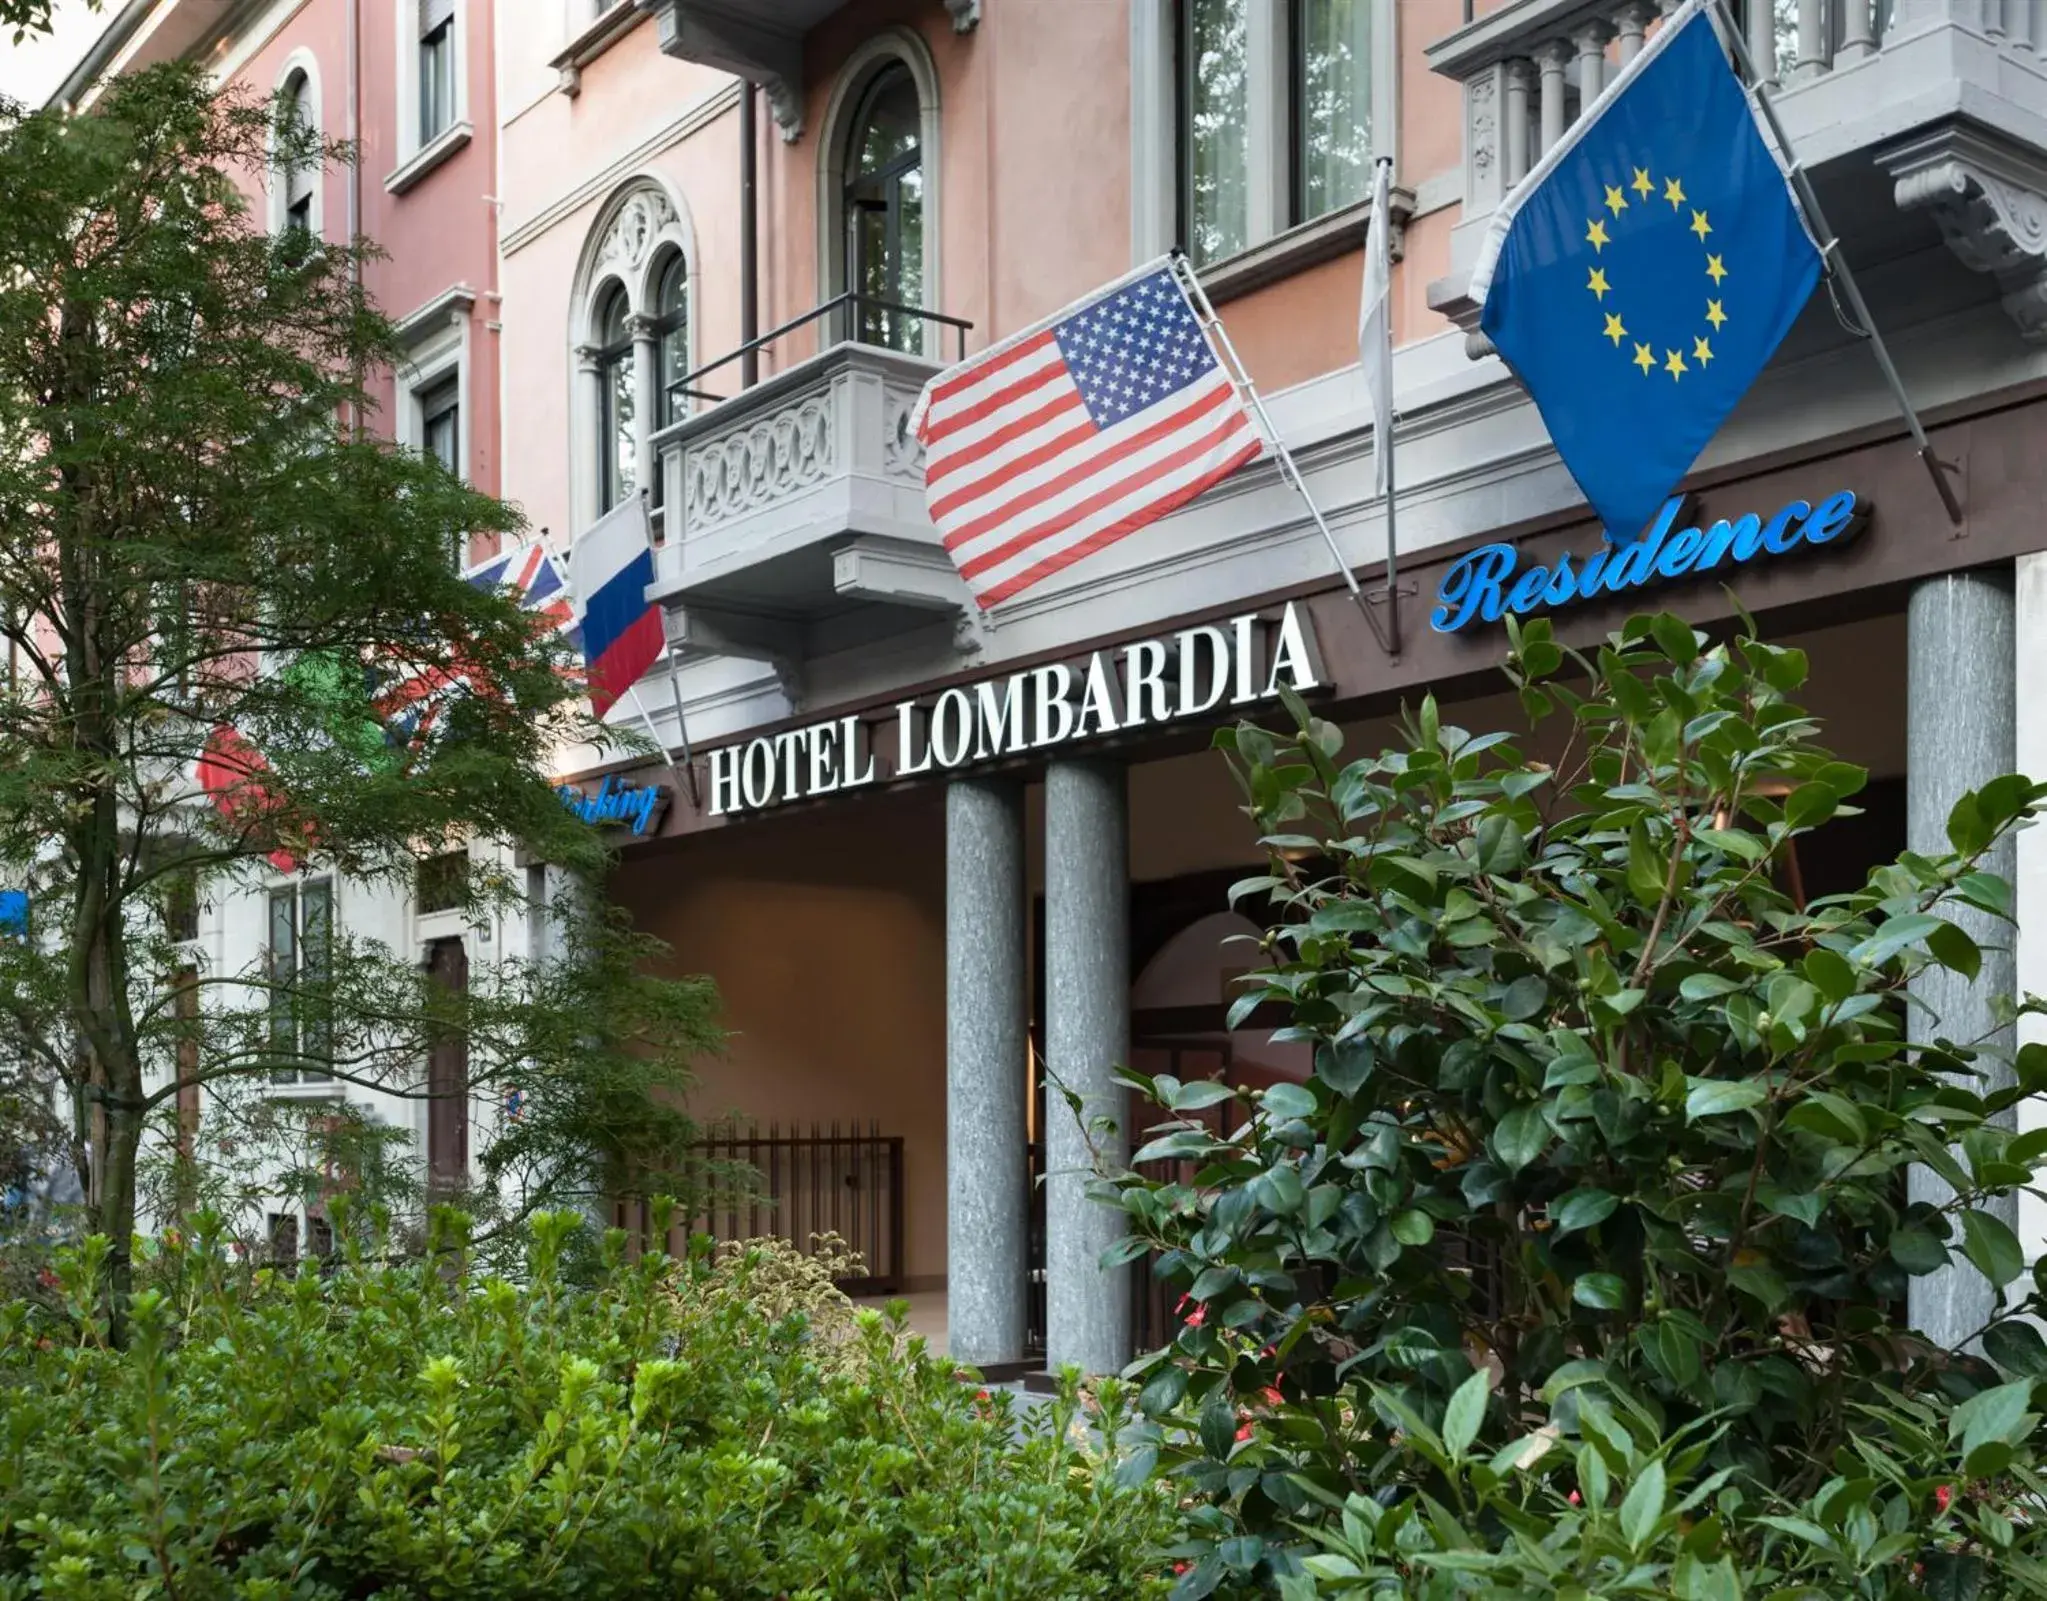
(1375, 328)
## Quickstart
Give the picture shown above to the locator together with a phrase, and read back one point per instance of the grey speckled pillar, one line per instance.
(1087, 1037)
(986, 1057)
(1960, 732)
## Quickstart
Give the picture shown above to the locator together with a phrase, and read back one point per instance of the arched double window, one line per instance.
(878, 191)
(632, 339)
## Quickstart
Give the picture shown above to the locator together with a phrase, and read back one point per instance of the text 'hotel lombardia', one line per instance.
(1147, 683)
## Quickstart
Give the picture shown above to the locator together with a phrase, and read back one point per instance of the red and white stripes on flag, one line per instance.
(1064, 438)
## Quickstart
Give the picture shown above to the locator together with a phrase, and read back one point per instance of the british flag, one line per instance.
(1065, 438)
(532, 572)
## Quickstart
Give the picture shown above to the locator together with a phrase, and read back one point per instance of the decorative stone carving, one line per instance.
(966, 15)
(633, 231)
(1989, 199)
(767, 460)
(902, 452)
(1481, 126)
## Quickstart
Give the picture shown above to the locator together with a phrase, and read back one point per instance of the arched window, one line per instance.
(629, 334)
(671, 334)
(884, 208)
(617, 443)
(295, 187)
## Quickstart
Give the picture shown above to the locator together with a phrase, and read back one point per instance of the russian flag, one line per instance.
(611, 567)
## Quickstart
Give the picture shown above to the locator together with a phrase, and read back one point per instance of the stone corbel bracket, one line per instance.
(1989, 199)
(720, 34)
(698, 631)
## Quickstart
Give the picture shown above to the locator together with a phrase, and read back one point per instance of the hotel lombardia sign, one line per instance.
(1490, 581)
(1145, 684)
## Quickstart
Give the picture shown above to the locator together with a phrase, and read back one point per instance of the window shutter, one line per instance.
(432, 13)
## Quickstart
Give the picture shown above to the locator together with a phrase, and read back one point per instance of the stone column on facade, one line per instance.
(986, 1061)
(1960, 732)
(1087, 1038)
(1591, 42)
(1520, 72)
(1762, 41)
(646, 398)
(586, 430)
(1551, 60)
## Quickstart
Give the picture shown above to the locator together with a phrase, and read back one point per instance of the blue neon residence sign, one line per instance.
(1492, 580)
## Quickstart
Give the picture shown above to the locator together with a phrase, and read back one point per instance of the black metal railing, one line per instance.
(846, 1183)
(847, 308)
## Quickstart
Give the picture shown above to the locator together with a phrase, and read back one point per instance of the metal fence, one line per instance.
(794, 1186)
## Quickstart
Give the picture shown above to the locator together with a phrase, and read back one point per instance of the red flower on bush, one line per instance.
(1943, 1496)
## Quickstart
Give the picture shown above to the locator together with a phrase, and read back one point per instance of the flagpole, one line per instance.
(1241, 378)
(1381, 225)
(1836, 262)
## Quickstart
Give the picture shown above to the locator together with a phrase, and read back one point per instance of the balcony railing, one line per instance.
(1944, 99)
(841, 319)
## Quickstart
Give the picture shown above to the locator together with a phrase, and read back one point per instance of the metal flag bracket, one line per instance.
(1384, 629)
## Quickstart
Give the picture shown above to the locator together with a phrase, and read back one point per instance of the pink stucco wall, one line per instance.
(441, 232)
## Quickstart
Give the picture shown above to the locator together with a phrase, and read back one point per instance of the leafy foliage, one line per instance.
(679, 1429)
(1598, 1107)
(206, 552)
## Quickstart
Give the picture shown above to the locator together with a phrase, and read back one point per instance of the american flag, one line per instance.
(1063, 439)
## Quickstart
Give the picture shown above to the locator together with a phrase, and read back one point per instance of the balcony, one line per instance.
(801, 497)
(761, 41)
(1912, 116)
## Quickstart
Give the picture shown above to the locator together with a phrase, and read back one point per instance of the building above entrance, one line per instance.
(761, 41)
(1905, 112)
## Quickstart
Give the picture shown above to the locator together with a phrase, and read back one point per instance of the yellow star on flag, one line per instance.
(1597, 283)
(1642, 185)
(1701, 226)
(1715, 315)
(1595, 235)
(1616, 202)
(1714, 269)
(1674, 364)
(1701, 352)
(1614, 330)
(1674, 192)
(1645, 358)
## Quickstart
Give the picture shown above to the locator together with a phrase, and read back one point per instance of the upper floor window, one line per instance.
(301, 939)
(436, 68)
(1276, 115)
(631, 337)
(671, 334)
(295, 185)
(884, 210)
(617, 441)
(440, 423)
(299, 180)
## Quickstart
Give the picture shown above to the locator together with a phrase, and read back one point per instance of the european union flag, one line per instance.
(1643, 274)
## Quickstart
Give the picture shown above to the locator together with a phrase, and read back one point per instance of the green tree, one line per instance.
(207, 554)
(1599, 1106)
(20, 18)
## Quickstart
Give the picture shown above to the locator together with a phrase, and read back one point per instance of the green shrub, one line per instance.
(409, 1430)
(1601, 1110)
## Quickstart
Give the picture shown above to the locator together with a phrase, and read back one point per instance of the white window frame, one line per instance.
(417, 156)
(307, 1083)
(641, 225)
(438, 349)
(1155, 201)
(891, 45)
(300, 60)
